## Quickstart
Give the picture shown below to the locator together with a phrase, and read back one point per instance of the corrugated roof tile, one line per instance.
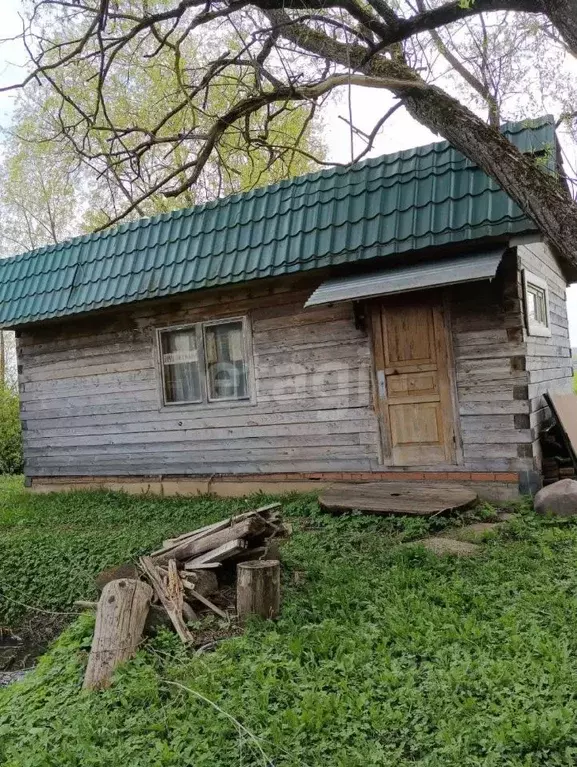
(419, 198)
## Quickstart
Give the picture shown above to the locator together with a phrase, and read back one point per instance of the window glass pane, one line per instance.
(531, 309)
(181, 366)
(537, 304)
(225, 361)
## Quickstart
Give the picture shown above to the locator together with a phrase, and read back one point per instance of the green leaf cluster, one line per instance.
(11, 460)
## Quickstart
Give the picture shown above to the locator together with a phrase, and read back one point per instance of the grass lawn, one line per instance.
(384, 655)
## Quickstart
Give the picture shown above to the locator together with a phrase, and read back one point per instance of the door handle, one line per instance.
(382, 384)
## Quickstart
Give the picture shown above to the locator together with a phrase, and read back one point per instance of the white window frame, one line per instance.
(534, 327)
(205, 400)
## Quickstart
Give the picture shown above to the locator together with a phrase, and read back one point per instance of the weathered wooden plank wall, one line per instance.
(492, 381)
(549, 364)
(91, 399)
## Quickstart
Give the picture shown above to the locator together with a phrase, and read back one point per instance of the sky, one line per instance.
(368, 105)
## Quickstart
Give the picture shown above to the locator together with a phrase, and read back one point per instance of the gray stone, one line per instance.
(8, 677)
(475, 533)
(559, 499)
(447, 546)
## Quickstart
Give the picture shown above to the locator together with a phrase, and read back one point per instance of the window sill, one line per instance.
(218, 405)
(540, 331)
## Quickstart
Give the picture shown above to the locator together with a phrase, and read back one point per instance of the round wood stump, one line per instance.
(258, 589)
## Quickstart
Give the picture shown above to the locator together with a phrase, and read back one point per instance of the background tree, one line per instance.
(60, 175)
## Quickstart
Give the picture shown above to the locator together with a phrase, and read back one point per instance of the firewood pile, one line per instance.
(185, 578)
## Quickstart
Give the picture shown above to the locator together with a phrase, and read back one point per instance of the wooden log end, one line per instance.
(258, 589)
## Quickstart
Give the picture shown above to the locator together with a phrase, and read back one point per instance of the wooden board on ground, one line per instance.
(418, 499)
(564, 408)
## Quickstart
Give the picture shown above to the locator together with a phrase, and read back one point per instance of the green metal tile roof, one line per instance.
(419, 198)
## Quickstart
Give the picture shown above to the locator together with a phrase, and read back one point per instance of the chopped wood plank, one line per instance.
(251, 554)
(190, 588)
(173, 612)
(169, 544)
(205, 566)
(120, 618)
(248, 528)
(219, 554)
(174, 589)
(413, 498)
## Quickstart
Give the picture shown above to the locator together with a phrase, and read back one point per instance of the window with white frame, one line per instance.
(205, 362)
(536, 305)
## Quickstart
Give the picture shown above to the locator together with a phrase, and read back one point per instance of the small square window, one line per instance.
(536, 305)
(206, 362)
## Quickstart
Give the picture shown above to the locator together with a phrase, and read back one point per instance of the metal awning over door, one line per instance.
(431, 274)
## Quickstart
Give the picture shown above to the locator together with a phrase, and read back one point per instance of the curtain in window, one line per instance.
(180, 358)
(225, 362)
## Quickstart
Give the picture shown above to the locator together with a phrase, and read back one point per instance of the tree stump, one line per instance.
(120, 619)
(258, 589)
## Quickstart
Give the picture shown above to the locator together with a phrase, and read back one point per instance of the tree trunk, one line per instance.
(539, 194)
(120, 619)
(258, 589)
(563, 14)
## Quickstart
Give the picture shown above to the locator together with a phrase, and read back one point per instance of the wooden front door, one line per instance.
(413, 394)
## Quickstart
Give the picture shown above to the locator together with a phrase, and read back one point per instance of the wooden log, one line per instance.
(188, 613)
(157, 616)
(204, 581)
(258, 589)
(173, 609)
(120, 619)
(189, 549)
(226, 551)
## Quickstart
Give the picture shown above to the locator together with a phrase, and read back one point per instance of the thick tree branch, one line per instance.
(539, 194)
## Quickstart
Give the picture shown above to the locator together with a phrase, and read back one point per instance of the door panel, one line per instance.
(414, 398)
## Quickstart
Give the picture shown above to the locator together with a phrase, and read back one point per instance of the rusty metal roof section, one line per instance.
(407, 201)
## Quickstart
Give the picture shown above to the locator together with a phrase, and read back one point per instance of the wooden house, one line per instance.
(398, 318)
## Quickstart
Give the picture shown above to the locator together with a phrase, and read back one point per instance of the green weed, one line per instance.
(383, 655)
